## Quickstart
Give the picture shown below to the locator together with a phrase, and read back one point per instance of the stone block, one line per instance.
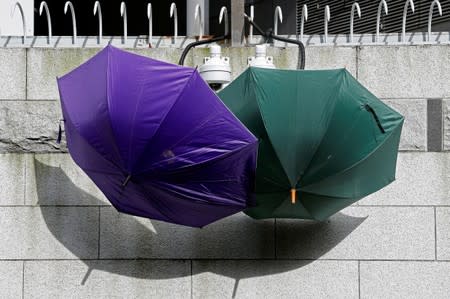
(48, 233)
(12, 178)
(13, 74)
(107, 279)
(275, 279)
(405, 71)
(386, 279)
(383, 233)
(237, 236)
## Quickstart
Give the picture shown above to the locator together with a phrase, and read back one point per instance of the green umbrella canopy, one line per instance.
(324, 140)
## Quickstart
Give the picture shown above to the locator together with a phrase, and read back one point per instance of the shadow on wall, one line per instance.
(304, 236)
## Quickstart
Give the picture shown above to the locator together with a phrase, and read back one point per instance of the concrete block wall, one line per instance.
(61, 238)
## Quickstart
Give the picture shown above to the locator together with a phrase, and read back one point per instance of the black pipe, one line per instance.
(269, 35)
(198, 43)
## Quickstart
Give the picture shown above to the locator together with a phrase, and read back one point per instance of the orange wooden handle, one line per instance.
(293, 195)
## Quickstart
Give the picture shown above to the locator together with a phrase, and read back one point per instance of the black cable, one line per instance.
(198, 43)
(269, 35)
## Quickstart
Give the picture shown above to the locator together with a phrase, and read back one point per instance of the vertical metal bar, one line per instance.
(237, 22)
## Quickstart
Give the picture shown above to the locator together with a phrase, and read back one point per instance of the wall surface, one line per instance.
(60, 238)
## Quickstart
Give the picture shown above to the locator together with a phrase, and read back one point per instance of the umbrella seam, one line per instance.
(165, 116)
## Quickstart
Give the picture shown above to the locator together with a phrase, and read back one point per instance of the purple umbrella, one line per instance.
(156, 139)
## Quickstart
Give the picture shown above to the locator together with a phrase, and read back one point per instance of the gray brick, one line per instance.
(360, 233)
(171, 55)
(446, 124)
(422, 179)
(238, 236)
(12, 178)
(435, 127)
(414, 132)
(107, 279)
(13, 74)
(275, 279)
(443, 233)
(44, 65)
(405, 71)
(331, 58)
(55, 179)
(48, 233)
(27, 126)
(11, 279)
(405, 280)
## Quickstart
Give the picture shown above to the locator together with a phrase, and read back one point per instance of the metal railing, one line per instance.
(236, 29)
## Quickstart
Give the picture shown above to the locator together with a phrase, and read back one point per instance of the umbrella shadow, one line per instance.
(312, 239)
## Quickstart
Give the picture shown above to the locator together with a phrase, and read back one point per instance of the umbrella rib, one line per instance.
(114, 144)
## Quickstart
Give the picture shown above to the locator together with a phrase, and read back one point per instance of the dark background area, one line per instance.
(87, 23)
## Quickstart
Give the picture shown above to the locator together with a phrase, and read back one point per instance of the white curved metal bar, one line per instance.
(98, 10)
(174, 15)
(382, 4)
(430, 16)
(352, 17)
(250, 29)
(405, 12)
(198, 16)
(49, 19)
(150, 23)
(74, 19)
(123, 14)
(327, 19)
(224, 14)
(24, 22)
(278, 16)
(303, 19)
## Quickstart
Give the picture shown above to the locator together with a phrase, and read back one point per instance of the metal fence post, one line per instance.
(237, 22)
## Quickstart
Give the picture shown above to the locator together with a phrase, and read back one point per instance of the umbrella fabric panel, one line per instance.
(192, 134)
(321, 133)
(157, 140)
(296, 108)
(141, 92)
(353, 132)
(83, 94)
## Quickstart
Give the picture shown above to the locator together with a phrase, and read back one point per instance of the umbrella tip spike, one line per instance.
(293, 195)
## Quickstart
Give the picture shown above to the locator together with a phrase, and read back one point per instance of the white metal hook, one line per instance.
(382, 4)
(74, 19)
(98, 10)
(24, 22)
(123, 14)
(173, 13)
(327, 19)
(250, 29)
(49, 20)
(352, 16)
(303, 19)
(198, 16)
(224, 14)
(405, 12)
(430, 16)
(278, 15)
(150, 23)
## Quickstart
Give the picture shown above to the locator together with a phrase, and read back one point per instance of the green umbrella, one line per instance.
(324, 140)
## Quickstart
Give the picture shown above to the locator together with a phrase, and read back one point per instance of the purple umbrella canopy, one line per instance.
(156, 139)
